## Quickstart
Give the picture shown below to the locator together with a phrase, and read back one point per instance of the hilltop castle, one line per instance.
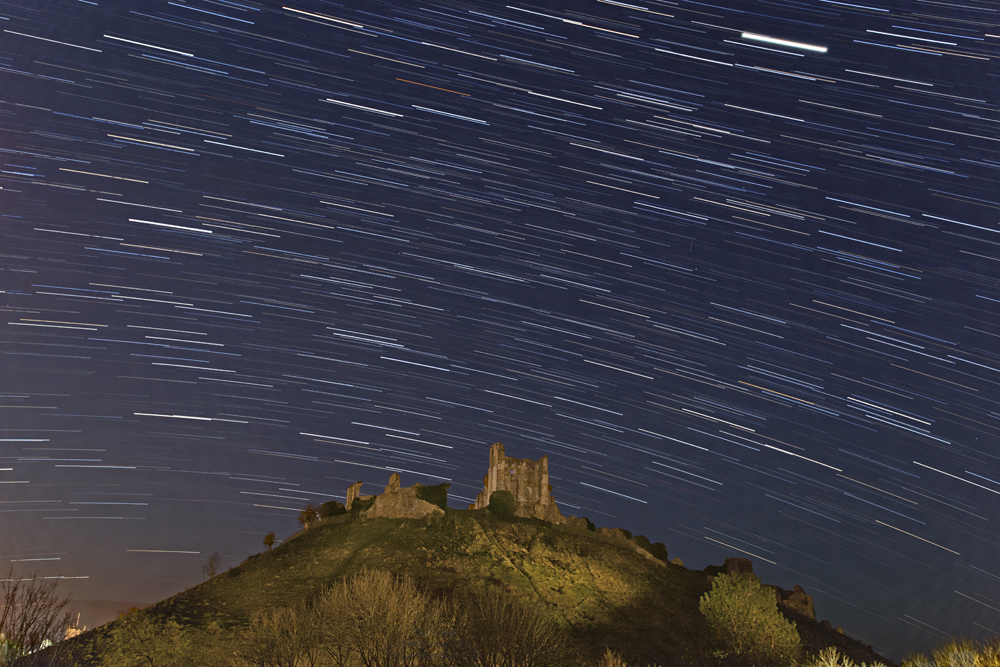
(526, 480)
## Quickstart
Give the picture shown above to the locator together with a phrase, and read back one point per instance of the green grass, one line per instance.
(601, 590)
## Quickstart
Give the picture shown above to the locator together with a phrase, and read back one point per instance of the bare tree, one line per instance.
(375, 619)
(380, 621)
(60, 654)
(309, 516)
(489, 621)
(283, 637)
(212, 565)
(33, 616)
(330, 608)
(141, 640)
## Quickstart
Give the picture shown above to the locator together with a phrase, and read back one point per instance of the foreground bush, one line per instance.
(497, 630)
(375, 619)
(831, 657)
(745, 624)
(371, 620)
(32, 615)
(284, 637)
(959, 653)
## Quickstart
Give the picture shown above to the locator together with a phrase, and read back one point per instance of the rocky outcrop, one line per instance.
(796, 600)
(732, 566)
(829, 626)
(526, 480)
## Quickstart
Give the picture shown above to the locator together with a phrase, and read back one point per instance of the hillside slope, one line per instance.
(601, 588)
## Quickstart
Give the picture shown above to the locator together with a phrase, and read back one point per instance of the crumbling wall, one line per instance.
(402, 504)
(395, 502)
(527, 481)
(353, 491)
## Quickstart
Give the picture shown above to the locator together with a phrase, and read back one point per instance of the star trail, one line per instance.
(733, 267)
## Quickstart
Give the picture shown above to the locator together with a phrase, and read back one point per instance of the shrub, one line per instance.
(959, 653)
(496, 629)
(989, 654)
(379, 620)
(955, 653)
(611, 659)
(590, 524)
(139, 639)
(502, 505)
(831, 657)
(362, 504)
(642, 542)
(32, 615)
(745, 625)
(435, 495)
(282, 637)
(309, 516)
(331, 508)
(658, 550)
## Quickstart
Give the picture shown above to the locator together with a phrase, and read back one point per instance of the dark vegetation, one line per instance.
(502, 505)
(32, 615)
(361, 504)
(309, 516)
(331, 509)
(435, 495)
(744, 624)
(573, 589)
(212, 565)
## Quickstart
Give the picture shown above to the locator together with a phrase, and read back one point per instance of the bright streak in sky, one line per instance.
(783, 42)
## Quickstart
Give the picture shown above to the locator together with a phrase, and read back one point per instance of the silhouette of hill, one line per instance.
(602, 588)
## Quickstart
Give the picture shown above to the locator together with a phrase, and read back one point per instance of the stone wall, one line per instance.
(401, 503)
(353, 491)
(527, 481)
(395, 502)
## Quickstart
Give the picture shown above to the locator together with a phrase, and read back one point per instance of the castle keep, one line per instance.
(527, 481)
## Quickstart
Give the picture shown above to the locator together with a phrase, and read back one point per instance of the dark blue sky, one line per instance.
(732, 268)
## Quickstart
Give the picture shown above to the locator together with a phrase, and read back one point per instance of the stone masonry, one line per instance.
(353, 491)
(527, 481)
(396, 502)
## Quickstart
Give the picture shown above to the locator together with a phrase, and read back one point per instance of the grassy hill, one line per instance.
(601, 589)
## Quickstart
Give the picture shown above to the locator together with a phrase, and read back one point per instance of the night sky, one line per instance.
(734, 269)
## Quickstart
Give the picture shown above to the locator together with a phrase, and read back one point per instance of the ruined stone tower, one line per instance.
(527, 481)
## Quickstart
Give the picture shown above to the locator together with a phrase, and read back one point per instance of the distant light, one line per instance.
(783, 42)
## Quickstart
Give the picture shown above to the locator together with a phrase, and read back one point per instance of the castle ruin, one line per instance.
(526, 480)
